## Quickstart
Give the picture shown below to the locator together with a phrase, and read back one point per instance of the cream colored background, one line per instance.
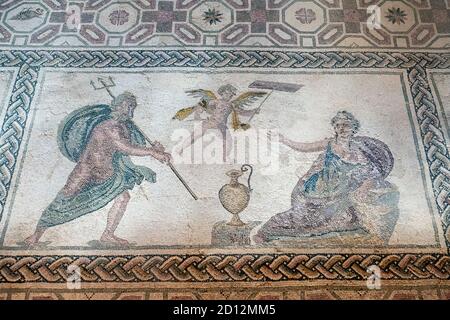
(171, 216)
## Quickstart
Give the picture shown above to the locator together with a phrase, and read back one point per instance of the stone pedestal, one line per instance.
(225, 235)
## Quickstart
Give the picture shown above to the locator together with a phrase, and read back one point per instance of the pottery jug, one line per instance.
(235, 196)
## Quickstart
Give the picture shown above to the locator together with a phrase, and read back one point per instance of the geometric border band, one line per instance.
(233, 267)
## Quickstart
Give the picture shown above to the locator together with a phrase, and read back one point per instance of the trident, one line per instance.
(106, 86)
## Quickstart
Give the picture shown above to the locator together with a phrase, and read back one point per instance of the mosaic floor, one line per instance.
(225, 149)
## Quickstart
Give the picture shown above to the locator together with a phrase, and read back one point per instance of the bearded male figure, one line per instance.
(100, 140)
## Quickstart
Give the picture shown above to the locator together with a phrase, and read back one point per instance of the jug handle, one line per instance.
(244, 168)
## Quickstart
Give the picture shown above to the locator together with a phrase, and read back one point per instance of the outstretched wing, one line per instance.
(248, 98)
(205, 95)
(183, 113)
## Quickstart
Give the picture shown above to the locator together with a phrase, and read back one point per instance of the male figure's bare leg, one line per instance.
(74, 184)
(115, 214)
(76, 181)
(34, 238)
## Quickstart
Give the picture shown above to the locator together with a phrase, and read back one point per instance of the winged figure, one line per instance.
(218, 108)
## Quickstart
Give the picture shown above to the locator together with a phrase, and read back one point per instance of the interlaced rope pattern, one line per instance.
(255, 267)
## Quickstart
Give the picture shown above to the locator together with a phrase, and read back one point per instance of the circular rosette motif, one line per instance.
(397, 16)
(211, 16)
(304, 16)
(119, 17)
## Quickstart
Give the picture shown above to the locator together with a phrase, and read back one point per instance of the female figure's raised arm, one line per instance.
(304, 147)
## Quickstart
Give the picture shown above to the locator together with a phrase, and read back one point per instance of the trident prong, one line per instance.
(104, 85)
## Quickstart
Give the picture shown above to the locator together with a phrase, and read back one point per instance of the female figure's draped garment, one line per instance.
(337, 195)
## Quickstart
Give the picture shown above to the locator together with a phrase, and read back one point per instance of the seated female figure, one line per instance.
(344, 190)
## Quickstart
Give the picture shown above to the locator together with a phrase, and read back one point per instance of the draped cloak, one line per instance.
(323, 201)
(73, 136)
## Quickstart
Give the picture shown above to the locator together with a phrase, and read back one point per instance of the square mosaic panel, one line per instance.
(224, 149)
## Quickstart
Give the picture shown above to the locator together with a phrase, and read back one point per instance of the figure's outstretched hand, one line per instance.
(163, 157)
(166, 157)
(158, 146)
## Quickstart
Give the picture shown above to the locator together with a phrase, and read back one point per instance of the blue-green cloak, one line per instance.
(73, 135)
